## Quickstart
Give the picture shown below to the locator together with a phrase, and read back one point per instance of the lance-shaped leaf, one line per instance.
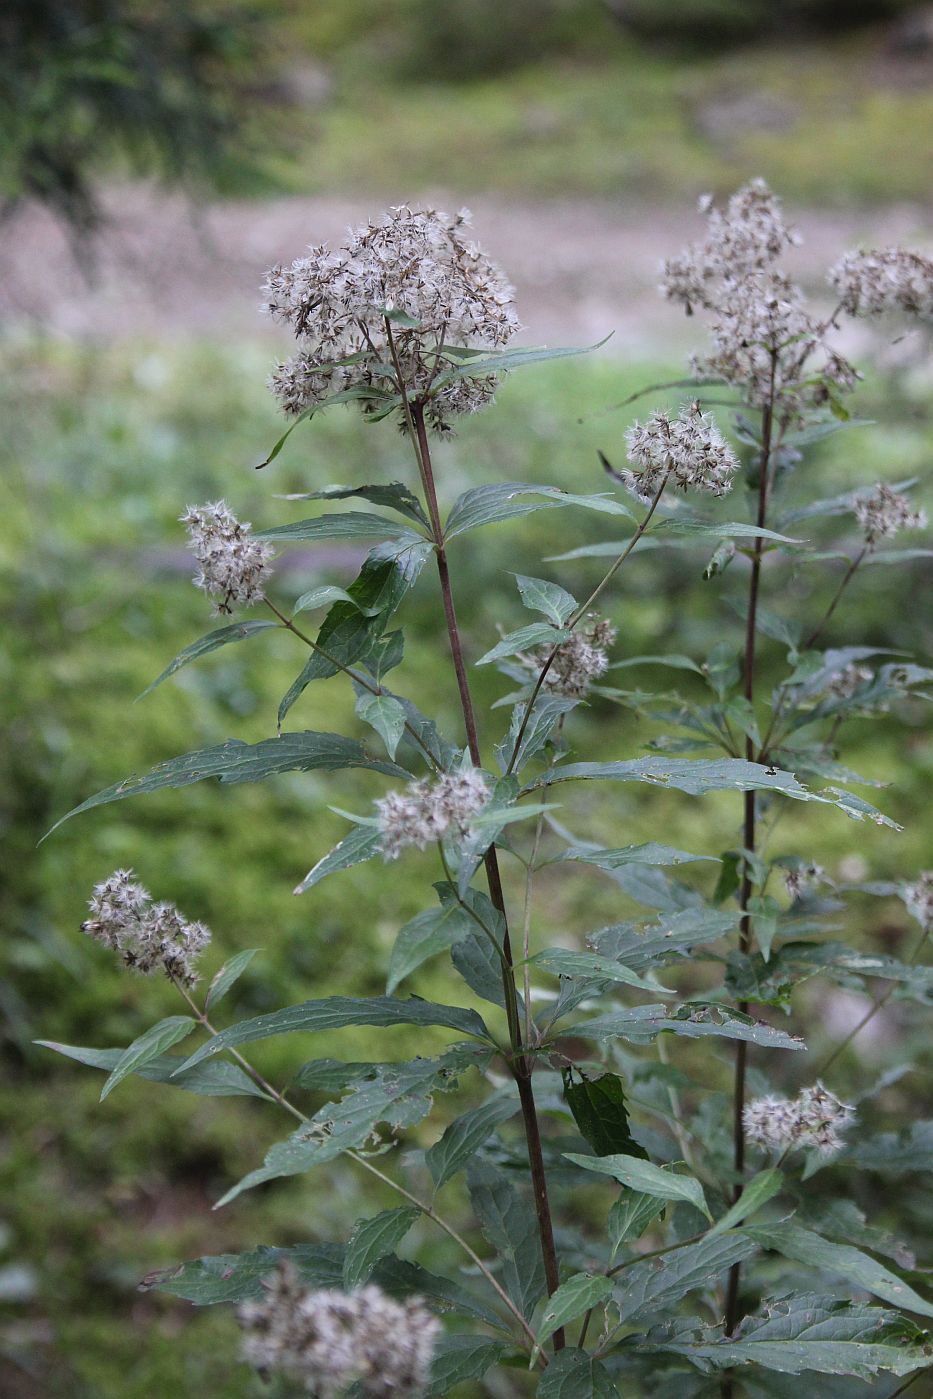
(541, 723)
(598, 1107)
(385, 715)
(575, 1374)
(560, 961)
(335, 1012)
(525, 639)
(350, 524)
(495, 361)
(465, 1135)
(759, 1190)
(554, 601)
(676, 932)
(649, 853)
(727, 529)
(214, 1080)
(228, 975)
(646, 1290)
(223, 636)
(148, 1046)
(643, 1023)
(361, 844)
(459, 1359)
(487, 505)
(807, 1333)
(630, 1216)
(392, 494)
(508, 1221)
(694, 776)
(639, 1174)
(324, 597)
(372, 1239)
(572, 1299)
(424, 936)
(380, 399)
(839, 1260)
(236, 761)
(895, 1153)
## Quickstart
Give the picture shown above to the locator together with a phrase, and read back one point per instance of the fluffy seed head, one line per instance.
(804, 879)
(579, 660)
(232, 566)
(428, 810)
(439, 290)
(882, 513)
(145, 935)
(918, 898)
(813, 1120)
(690, 449)
(844, 683)
(891, 279)
(329, 1340)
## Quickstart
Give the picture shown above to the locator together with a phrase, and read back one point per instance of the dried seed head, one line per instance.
(813, 1120)
(428, 810)
(578, 661)
(844, 683)
(232, 566)
(330, 1340)
(145, 935)
(690, 449)
(891, 279)
(918, 898)
(882, 513)
(803, 880)
(440, 290)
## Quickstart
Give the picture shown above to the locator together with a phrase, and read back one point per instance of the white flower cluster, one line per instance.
(802, 880)
(329, 1340)
(892, 279)
(578, 661)
(811, 1121)
(918, 898)
(427, 810)
(882, 513)
(762, 333)
(690, 450)
(441, 290)
(232, 566)
(146, 935)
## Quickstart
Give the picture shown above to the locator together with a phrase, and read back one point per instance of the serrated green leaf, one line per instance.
(572, 1299)
(694, 776)
(335, 1012)
(839, 1260)
(392, 494)
(223, 636)
(645, 1291)
(214, 1080)
(729, 529)
(642, 1023)
(324, 597)
(759, 1190)
(332, 1075)
(349, 524)
(895, 1153)
(598, 1107)
(372, 1239)
(574, 1374)
(525, 639)
(672, 661)
(508, 1221)
(630, 1216)
(541, 596)
(358, 393)
(649, 853)
(486, 505)
(560, 961)
(236, 761)
(496, 361)
(639, 946)
(458, 1359)
(546, 712)
(150, 1045)
(361, 844)
(424, 936)
(465, 1135)
(648, 1179)
(385, 715)
(229, 973)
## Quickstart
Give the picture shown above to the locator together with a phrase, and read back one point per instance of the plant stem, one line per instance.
(748, 839)
(870, 1014)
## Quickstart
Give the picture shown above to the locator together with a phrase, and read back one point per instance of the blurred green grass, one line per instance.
(105, 450)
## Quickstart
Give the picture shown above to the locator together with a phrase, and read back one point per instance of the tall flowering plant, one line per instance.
(709, 1273)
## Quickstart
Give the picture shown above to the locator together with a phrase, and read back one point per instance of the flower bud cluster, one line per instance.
(689, 449)
(232, 566)
(803, 880)
(891, 279)
(429, 810)
(918, 898)
(813, 1120)
(882, 513)
(578, 661)
(329, 1340)
(146, 935)
(440, 291)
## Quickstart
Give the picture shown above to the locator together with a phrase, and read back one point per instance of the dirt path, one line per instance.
(581, 269)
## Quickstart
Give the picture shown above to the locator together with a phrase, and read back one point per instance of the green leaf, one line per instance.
(630, 1216)
(649, 853)
(335, 1012)
(393, 494)
(236, 761)
(361, 844)
(765, 915)
(809, 1333)
(496, 361)
(424, 936)
(324, 596)
(385, 715)
(694, 776)
(148, 1046)
(572, 1299)
(574, 1374)
(216, 1080)
(541, 723)
(372, 1239)
(238, 631)
(759, 1190)
(487, 505)
(332, 1075)
(359, 393)
(541, 596)
(645, 1290)
(458, 1359)
(229, 973)
(349, 524)
(641, 1175)
(730, 529)
(895, 1153)
(676, 932)
(598, 1107)
(525, 639)
(465, 1135)
(730, 878)
(643, 1023)
(673, 662)
(803, 1246)
(562, 962)
(508, 1221)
